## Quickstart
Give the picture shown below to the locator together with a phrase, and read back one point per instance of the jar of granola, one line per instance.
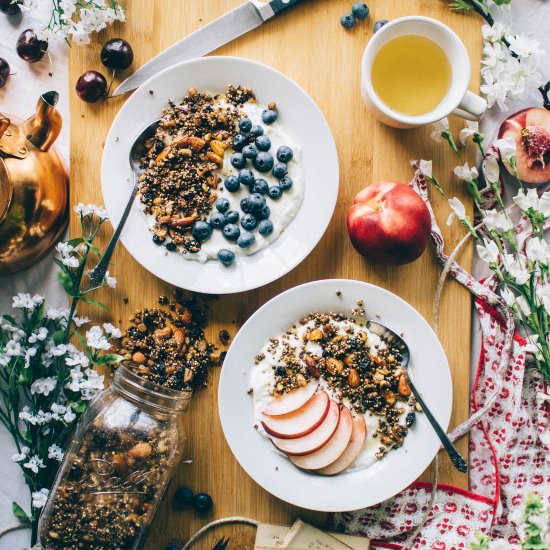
(117, 467)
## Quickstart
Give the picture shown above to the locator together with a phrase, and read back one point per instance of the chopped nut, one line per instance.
(333, 365)
(139, 358)
(403, 386)
(353, 378)
(163, 333)
(316, 335)
(140, 450)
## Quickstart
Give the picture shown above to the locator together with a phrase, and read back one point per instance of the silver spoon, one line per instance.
(389, 336)
(138, 151)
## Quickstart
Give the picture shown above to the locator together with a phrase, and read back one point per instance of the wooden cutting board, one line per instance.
(309, 45)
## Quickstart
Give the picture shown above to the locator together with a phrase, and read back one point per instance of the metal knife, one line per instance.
(226, 28)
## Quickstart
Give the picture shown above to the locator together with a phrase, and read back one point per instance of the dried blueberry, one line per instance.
(280, 371)
(171, 246)
(158, 240)
(202, 502)
(410, 419)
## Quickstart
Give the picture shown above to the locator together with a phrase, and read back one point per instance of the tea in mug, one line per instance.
(411, 74)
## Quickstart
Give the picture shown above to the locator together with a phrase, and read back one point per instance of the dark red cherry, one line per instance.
(29, 47)
(4, 72)
(117, 54)
(91, 86)
(10, 8)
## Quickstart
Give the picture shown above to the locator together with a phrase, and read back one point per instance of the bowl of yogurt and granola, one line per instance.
(316, 408)
(241, 176)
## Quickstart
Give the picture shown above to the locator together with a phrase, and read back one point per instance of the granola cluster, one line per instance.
(166, 345)
(369, 377)
(179, 183)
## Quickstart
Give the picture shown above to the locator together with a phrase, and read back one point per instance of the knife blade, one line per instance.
(211, 36)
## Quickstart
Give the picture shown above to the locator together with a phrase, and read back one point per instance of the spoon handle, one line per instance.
(458, 462)
(98, 274)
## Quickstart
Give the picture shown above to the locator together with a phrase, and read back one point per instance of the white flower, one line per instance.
(524, 46)
(524, 305)
(466, 173)
(79, 321)
(77, 358)
(39, 498)
(508, 296)
(38, 419)
(497, 221)
(471, 129)
(516, 268)
(70, 261)
(58, 351)
(544, 204)
(38, 336)
(111, 281)
(69, 416)
(90, 386)
(528, 200)
(488, 251)
(19, 457)
(425, 167)
(56, 314)
(55, 452)
(494, 33)
(537, 250)
(491, 170)
(64, 248)
(34, 464)
(89, 209)
(13, 348)
(96, 339)
(112, 331)
(543, 293)
(26, 301)
(506, 148)
(43, 386)
(438, 128)
(29, 354)
(494, 92)
(459, 210)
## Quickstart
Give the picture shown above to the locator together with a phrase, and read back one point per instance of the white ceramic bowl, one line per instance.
(356, 489)
(303, 121)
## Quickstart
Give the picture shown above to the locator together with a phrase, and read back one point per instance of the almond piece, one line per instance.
(214, 158)
(217, 147)
(388, 396)
(140, 450)
(179, 336)
(334, 366)
(353, 378)
(316, 334)
(139, 358)
(403, 386)
(163, 333)
(312, 366)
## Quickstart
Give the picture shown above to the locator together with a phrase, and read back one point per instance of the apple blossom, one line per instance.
(472, 128)
(488, 251)
(466, 173)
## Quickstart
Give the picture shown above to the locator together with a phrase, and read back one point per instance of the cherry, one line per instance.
(117, 54)
(4, 72)
(10, 8)
(29, 47)
(91, 86)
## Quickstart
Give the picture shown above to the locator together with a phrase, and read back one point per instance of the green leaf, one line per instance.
(10, 318)
(18, 512)
(66, 282)
(461, 5)
(58, 337)
(78, 407)
(75, 242)
(95, 303)
(25, 434)
(108, 359)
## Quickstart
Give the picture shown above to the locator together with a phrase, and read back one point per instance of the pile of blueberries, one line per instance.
(359, 11)
(251, 144)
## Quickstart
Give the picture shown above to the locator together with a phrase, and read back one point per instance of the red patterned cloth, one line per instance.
(509, 431)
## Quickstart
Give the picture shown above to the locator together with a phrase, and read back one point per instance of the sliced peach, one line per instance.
(314, 440)
(301, 421)
(332, 450)
(290, 401)
(355, 446)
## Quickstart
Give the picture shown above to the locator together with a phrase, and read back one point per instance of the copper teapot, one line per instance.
(34, 186)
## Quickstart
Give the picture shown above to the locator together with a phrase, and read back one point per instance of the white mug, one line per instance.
(458, 100)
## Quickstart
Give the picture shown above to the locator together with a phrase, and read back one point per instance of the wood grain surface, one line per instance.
(309, 45)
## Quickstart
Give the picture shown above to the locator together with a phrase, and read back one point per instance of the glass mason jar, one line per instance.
(117, 467)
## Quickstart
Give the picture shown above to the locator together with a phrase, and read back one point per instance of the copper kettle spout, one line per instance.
(43, 128)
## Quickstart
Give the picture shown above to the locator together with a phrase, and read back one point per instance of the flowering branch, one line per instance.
(46, 382)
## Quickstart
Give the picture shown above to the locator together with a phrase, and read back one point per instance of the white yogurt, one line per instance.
(262, 378)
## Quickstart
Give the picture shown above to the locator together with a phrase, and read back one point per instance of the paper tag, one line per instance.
(270, 536)
(303, 535)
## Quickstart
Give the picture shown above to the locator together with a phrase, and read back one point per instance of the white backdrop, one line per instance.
(19, 97)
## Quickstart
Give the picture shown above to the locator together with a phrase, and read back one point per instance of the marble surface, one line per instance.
(19, 97)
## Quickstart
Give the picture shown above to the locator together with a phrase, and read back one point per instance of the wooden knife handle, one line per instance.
(280, 5)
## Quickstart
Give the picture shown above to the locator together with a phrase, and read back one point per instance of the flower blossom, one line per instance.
(112, 331)
(43, 386)
(472, 128)
(488, 251)
(497, 221)
(466, 173)
(26, 301)
(439, 128)
(19, 457)
(34, 464)
(39, 498)
(527, 200)
(96, 340)
(55, 452)
(459, 210)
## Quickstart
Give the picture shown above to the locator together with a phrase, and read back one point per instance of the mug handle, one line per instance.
(472, 107)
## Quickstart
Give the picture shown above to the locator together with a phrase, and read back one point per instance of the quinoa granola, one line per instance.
(179, 183)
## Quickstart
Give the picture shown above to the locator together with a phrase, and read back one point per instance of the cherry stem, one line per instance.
(107, 96)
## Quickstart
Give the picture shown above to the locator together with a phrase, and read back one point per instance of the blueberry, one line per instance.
(379, 24)
(246, 240)
(410, 419)
(249, 222)
(256, 130)
(263, 143)
(184, 495)
(286, 183)
(245, 207)
(264, 213)
(239, 141)
(217, 220)
(256, 202)
(265, 228)
(245, 124)
(171, 247)
(269, 116)
(222, 204)
(260, 186)
(284, 153)
(280, 371)
(263, 162)
(250, 152)
(232, 216)
(360, 10)
(246, 177)
(238, 160)
(201, 231)
(347, 21)
(202, 502)
(157, 239)
(279, 170)
(231, 232)
(225, 256)
(232, 184)
(275, 192)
